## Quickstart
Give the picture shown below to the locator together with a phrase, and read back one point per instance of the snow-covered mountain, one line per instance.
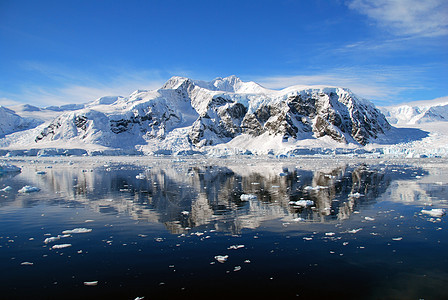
(11, 122)
(418, 112)
(186, 114)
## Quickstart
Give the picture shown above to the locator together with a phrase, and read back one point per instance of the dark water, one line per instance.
(156, 236)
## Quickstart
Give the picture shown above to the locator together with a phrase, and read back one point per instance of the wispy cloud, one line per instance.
(76, 86)
(406, 17)
(381, 84)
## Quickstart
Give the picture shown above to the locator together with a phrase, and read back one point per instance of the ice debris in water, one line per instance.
(6, 168)
(315, 188)
(235, 247)
(77, 230)
(55, 238)
(29, 189)
(435, 212)
(27, 263)
(302, 203)
(369, 219)
(7, 189)
(354, 230)
(356, 195)
(61, 246)
(90, 283)
(246, 197)
(221, 258)
(140, 176)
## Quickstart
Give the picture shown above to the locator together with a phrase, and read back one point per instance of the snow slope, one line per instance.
(418, 112)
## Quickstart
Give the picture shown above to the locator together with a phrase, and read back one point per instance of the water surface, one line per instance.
(155, 228)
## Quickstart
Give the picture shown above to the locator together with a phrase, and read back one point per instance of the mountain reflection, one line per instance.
(184, 196)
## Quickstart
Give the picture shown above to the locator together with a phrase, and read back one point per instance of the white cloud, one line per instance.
(374, 83)
(70, 86)
(406, 17)
(8, 102)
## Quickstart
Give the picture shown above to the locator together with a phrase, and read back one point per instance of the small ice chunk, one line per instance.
(6, 168)
(27, 263)
(77, 230)
(221, 258)
(91, 283)
(356, 195)
(397, 238)
(235, 247)
(247, 197)
(140, 176)
(61, 246)
(237, 268)
(354, 230)
(185, 212)
(435, 212)
(369, 219)
(7, 189)
(330, 233)
(29, 189)
(302, 203)
(139, 298)
(52, 239)
(307, 238)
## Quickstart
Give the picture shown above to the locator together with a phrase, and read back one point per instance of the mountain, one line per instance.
(418, 112)
(186, 114)
(11, 122)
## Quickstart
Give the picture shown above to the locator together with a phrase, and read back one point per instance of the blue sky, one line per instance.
(58, 52)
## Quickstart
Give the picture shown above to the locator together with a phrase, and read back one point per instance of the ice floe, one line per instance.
(29, 189)
(221, 258)
(61, 246)
(302, 203)
(435, 212)
(247, 197)
(77, 230)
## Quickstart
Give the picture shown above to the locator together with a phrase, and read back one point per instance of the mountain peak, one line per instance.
(175, 82)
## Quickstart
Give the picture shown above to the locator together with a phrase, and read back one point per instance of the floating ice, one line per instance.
(397, 239)
(235, 247)
(315, 188)
(369, 219)
(140, 176)
(61, 246)
(6, 189)
(77, 230)
(246, 197)
(237, 268)
(7, 168)
(27, 263)
(356, 195)
(302, 203)
(354, 230)
(435, 212)
(330, 233)
(29, 189)
(91, 283)
(221, 258)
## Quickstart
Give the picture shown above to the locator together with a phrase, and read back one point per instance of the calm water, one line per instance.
(154, 228)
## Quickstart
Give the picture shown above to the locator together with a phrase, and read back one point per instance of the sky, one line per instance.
(74, 51)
